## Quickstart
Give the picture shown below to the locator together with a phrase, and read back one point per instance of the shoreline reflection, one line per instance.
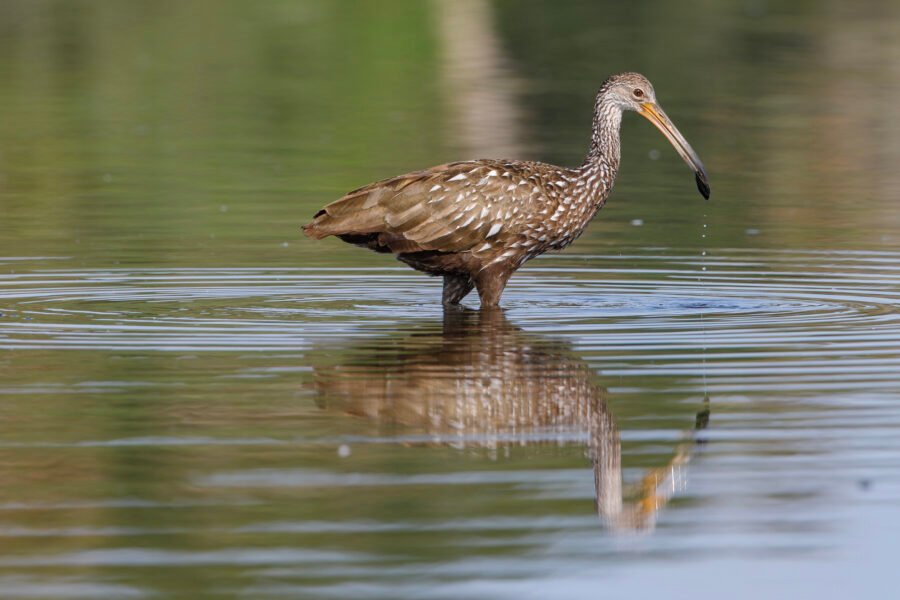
(480, 381)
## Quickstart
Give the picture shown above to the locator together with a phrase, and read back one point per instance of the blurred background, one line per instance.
(196, 401)
(205, 132)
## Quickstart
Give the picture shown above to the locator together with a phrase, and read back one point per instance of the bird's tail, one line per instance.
(314, 228)
(352, 214)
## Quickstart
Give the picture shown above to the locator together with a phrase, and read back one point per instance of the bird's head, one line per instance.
(633, 91)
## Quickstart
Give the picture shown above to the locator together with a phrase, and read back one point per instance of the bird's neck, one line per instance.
(598, 172)
(605, 134)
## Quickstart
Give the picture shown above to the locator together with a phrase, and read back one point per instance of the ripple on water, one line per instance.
(820, 310)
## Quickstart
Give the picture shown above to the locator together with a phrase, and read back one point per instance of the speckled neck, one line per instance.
(605, 132)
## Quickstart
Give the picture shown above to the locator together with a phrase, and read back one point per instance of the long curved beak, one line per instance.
(653, 113)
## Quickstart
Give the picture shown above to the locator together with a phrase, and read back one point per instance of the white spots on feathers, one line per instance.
(530, 210)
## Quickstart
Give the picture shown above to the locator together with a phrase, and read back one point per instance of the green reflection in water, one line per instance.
(134, 135)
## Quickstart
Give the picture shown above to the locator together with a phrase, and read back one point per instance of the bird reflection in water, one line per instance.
(482, 381)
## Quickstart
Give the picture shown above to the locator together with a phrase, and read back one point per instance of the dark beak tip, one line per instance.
(702, 184)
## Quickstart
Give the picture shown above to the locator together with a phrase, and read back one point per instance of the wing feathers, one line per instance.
(450, 208)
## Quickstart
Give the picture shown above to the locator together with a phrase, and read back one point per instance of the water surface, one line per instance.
(196, 402)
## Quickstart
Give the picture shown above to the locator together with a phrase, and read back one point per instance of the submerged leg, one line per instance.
(456, 287)
(490, 283)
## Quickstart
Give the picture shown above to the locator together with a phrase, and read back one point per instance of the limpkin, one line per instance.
(476, 222)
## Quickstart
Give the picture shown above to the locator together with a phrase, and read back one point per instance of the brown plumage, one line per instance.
(476, 222)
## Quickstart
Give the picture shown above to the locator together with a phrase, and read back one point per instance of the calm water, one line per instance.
(698, 400)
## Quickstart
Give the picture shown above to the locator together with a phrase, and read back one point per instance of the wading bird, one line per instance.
(476, 222)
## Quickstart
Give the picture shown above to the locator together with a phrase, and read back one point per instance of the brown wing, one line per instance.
(466, 206)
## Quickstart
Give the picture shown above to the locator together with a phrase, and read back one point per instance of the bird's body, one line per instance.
(476, 222)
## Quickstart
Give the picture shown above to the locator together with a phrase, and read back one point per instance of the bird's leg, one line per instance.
(456, 287)
(490, 282)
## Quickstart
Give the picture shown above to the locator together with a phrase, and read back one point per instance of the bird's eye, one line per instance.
(638, 93)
